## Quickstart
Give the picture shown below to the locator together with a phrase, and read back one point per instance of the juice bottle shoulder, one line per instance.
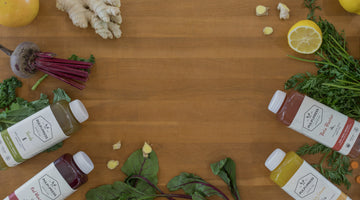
(290, 107)
(65, 117)
(287, 168)
(70, 171)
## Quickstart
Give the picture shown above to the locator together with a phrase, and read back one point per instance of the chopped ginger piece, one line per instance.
(261, 10)
(112, 164)
(268, 30)
(284, 11)
(146, 150)
(117, 145)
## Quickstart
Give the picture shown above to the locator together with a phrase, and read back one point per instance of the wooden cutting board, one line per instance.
(192, 77)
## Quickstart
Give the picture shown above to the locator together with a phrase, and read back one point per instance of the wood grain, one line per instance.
(192, 77)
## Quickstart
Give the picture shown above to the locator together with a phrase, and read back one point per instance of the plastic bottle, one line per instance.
(317, 121)
(40, 131)
(58, 180)
(299, 179)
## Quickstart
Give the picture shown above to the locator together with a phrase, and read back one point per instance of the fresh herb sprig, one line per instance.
(337, 85)
(333, 165)
(311, 4)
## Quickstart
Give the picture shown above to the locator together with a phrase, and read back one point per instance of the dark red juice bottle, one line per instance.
(317, 121)
(58, 180)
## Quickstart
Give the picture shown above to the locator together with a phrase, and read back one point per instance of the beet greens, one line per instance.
(141, 183)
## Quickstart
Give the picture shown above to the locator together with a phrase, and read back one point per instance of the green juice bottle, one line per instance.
(40, 131)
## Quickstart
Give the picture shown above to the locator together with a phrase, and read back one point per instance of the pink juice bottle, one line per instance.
(317, 121)
(58, 180)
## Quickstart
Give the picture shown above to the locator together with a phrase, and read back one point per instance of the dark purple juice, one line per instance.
(70, 171)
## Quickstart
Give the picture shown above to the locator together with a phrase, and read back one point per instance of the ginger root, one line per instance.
(104, 15)
(284, 11)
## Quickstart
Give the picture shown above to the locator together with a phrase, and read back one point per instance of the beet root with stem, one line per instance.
(27, 59)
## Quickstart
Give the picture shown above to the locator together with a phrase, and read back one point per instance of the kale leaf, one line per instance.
(7, 91)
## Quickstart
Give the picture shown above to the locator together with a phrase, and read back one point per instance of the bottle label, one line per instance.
(46, 185)
(325, 125)
(309, 184)
(30, 136)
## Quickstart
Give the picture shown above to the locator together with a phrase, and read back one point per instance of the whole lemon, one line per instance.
(15, 13)
(352, 6)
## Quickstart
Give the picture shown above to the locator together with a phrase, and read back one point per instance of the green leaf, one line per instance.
(77, 58)
(117, 191)
(148, 167)
(60, 94)
(194, 185)
(226, 169)
(7, 91)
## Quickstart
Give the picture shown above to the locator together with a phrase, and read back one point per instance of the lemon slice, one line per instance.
(305, 37)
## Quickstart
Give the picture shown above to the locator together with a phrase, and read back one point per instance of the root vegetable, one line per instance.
(103, 15)
(27, 59)
(284, 11)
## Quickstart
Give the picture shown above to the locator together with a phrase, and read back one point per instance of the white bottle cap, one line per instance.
(83, 162)
(275, 158)
(79, 111)
(276, 101)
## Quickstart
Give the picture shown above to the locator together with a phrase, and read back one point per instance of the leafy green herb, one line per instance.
(337, 85)
(333, 165)
(7, 91)
(226, 169)
(311, 4)
(141, 182)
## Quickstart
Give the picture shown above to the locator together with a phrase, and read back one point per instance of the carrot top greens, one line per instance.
(336, 84)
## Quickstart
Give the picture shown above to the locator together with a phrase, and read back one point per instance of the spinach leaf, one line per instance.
(195, 186)
(226, 169)
(137, 167)
(7, 91)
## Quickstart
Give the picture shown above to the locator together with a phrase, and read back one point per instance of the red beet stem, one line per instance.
(59, 60)
(65, 75)
(45, 54)
(70, 82)
(61, 68)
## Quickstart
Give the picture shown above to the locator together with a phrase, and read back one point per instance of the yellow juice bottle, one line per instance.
(299, 179)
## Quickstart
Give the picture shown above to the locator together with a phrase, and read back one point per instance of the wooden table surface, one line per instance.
(192, 77)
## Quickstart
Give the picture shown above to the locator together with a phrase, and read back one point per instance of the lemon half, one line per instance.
(305, 37)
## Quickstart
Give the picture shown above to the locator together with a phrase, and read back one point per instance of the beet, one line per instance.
(27, 59)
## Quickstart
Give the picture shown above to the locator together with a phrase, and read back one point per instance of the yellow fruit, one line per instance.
(305, 37)
(14, 13)
(352, 6)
